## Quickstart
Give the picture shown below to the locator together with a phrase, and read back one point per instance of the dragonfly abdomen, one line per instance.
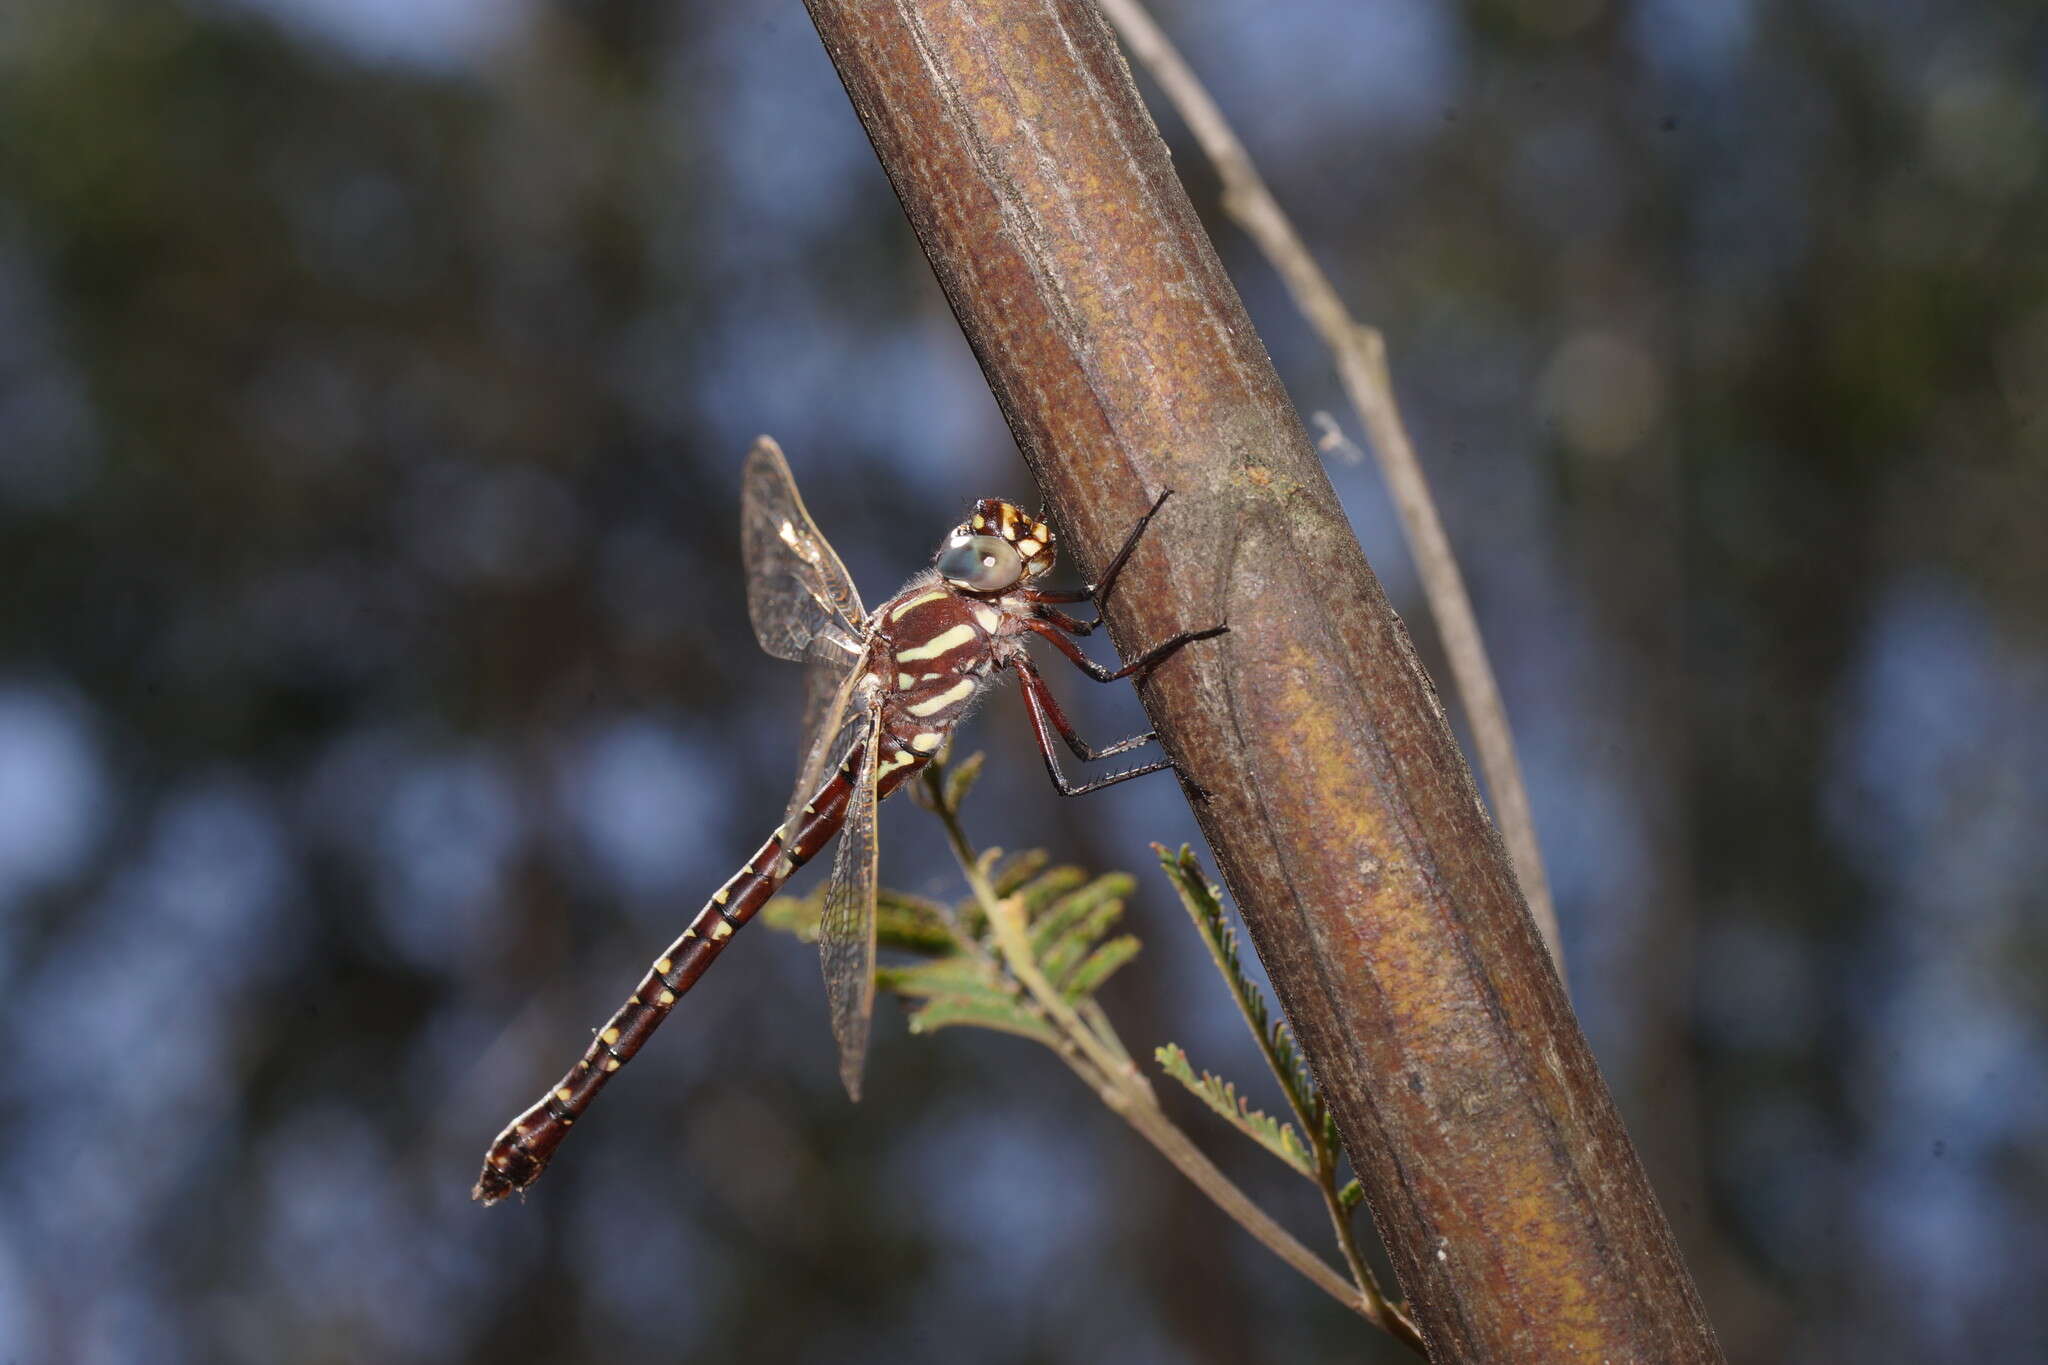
(522, 1151)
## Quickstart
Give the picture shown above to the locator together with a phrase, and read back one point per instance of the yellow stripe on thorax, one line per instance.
(943, 643)
(897, 613)
(952, 696)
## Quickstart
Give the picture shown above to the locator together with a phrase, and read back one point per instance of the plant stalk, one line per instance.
(1361, 355)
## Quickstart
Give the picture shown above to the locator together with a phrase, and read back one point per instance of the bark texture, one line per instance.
(1343, 816)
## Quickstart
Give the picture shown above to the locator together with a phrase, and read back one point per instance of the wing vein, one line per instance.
(846, 929)
(796, 585)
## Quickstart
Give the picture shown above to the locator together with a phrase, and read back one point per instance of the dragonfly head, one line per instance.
(996, 549)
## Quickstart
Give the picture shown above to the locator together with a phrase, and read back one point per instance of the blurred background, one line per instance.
(377, 695)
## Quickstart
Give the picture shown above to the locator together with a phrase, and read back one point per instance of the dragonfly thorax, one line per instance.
(935, 650)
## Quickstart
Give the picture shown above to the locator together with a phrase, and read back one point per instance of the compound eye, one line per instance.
(980, 563)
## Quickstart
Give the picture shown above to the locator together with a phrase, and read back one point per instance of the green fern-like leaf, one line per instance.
(1333, 1141)
(954, 975)
(981, 1011)
(1098, 967)
(1069, 914)
(1048, 890)
(1206, 909)
(1068, 950)
(910, 923)
(1061, 917)
(961, 777)
(1351, 1196)
(1220, 1095)
(1294, 1074)
(1276, 1040)
(1007, 874)
(796, 916)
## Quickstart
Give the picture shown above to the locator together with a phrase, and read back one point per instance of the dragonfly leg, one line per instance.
(1034, 687)
(1144, 663)
(1100, 591)
(1062, 598)
(1047, 719)
(1067, 623)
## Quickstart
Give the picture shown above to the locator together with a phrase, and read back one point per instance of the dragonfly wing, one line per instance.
(830, 657)
(846, 929)
(804, 606)
(796, 586)
(836, 709)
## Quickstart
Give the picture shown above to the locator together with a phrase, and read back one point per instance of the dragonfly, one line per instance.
(883, 692)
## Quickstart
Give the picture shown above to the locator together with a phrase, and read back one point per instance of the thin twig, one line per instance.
(1098, 1057)
(1361, 1273)
(1188, 1159)
(1341, 1221)
(1361, 355)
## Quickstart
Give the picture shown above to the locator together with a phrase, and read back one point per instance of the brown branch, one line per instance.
(1342, 817)
(1362, 368)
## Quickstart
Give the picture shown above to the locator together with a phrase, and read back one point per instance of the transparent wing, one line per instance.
(846, 930)
(828, 661)
(836, 720)
(796, 586)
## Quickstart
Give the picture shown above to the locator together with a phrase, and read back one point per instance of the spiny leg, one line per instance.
(1144, 663)
(1100, 591)
(1033, 683)
(1046, 718)
(1069, 624)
